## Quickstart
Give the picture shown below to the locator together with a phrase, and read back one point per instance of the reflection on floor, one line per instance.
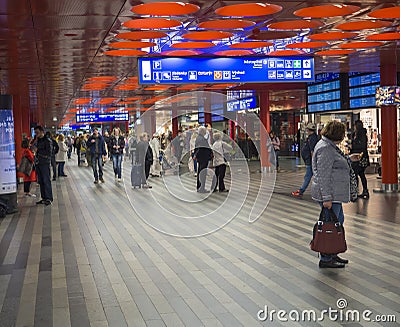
(90, 260)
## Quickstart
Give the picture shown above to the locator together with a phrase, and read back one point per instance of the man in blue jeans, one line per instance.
(97, 148)
(306, 153)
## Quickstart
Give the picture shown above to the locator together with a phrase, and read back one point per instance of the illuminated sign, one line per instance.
(387, 95)
(241, 104)
(225, 70)
(98, 118)
(325, 94)
(8, 180)
(362, 89)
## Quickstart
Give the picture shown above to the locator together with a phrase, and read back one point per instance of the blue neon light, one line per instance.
(225, 70)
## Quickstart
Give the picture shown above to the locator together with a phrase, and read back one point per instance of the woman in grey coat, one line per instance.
(331, 184)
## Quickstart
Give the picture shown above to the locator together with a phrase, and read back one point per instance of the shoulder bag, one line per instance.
(25, 166)
(328, 234)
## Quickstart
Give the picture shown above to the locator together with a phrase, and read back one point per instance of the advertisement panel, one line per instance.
(8, 177)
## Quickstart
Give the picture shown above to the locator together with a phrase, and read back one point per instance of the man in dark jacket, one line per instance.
(43, 153)
(144, 157)
(97, 148)
(53, 153)
(306, 153)
(203, 154)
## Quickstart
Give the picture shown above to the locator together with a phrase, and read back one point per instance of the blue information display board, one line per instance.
(362, 89)
(325, 94)
(241, 104)
(225, 70)
(98, 118)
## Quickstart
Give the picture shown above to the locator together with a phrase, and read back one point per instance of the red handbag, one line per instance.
(328, 234)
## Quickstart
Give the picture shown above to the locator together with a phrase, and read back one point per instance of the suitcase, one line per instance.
(136, 175)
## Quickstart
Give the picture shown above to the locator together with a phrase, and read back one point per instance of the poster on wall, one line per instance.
(8, 179)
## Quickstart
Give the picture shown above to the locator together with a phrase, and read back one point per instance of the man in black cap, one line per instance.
(306, 153)
(43, 155)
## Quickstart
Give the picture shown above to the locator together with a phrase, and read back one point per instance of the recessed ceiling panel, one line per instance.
(248, 10)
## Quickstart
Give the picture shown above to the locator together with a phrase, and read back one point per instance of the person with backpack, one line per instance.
(306, 153)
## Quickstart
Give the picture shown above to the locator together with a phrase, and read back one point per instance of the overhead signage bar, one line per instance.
(225, 70)
(98, 118)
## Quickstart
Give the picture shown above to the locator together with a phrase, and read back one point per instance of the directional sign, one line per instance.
(241, 104)
(225, 70)
(98, 118)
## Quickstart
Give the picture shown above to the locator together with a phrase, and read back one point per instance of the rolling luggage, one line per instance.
(136, 175)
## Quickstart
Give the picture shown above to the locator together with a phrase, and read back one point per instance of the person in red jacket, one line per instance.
(26, 152)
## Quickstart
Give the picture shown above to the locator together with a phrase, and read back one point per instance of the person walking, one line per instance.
(61, 156)
(116, 146)
(219, 148)
(193, 162)
(331, 184)
(28, 179)
(43, 154)
(144, 158)
(306, 153)
(97, 148)
(203, 154)
(359, 145)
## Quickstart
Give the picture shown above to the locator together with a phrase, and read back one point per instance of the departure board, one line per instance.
(362, 89)
(325, 94)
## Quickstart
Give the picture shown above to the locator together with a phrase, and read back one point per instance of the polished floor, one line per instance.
(90, 259)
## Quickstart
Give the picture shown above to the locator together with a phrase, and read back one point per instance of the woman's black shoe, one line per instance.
(364, 195)
(340, 260)
(331, 264)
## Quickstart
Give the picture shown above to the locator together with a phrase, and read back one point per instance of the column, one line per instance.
(389, 131)
(175, 123)
(266, 122)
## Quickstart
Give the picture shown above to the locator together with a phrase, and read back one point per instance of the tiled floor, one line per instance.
(91, 259)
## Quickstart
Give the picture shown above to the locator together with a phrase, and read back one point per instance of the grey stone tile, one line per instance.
(115, 316)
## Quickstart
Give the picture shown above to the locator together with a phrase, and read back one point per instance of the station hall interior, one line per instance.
(108, 254)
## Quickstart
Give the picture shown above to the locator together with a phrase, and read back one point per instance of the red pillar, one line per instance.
(232, 129)
(389, 132)
(266, 122)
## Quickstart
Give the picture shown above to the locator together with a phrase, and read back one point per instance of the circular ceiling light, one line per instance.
(335, 52)
(102, 79)
(286, 53)
(271, 35)
(165, 9)
(362, 25)
(141, 35)
(234, 53)
(248, 10)
(107, 100)
(391, 36)
(207, 35)
(332, 36)
(228, 24)
(131, 45)
(251, 45)
(152, 23)
(390, 13)
(125, 53)
(297, 24)
(181, 53)
(307, 45)
(192, 45)
(360, 45)
(326, 11)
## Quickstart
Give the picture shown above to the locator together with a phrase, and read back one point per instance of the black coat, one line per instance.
(44, 151)
(144, 154)
(114, 141)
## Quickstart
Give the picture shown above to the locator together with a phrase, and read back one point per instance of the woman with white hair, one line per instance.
(155, 169)
(219, 149)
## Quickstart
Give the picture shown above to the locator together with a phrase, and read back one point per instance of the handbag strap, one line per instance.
(331, 217)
